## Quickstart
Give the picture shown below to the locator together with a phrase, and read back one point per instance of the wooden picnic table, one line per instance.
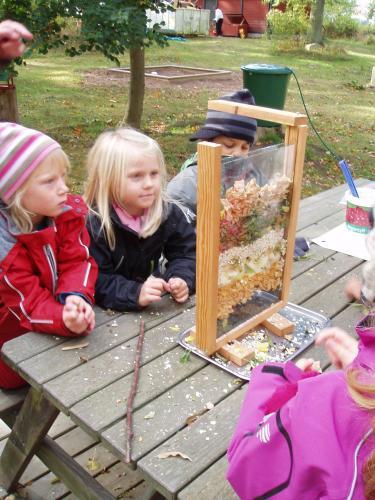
(92, 384)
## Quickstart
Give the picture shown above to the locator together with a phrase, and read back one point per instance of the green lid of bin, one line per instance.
(267, 69)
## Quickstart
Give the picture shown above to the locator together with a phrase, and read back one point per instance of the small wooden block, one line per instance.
(278, 325)
(237, 353)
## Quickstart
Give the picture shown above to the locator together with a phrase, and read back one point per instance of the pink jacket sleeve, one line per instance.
(248, 452)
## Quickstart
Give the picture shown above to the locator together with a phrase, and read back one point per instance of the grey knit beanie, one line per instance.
(229, 124)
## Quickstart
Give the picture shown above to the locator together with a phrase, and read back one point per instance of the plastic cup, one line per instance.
(358, 210)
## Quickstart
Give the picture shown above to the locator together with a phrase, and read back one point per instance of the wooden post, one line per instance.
(32, 424)
(208, 242)
(296, 136)
(8, 102)
(372, 81)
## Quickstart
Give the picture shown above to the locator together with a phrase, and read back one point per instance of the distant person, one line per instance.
(219, 18)
(12, 36)
(236, 133)
(47, 275)
(307, 435)
(132, 224)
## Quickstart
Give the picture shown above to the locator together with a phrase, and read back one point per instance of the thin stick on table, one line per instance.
(132, 393)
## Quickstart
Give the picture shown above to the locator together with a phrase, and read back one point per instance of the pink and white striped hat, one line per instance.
(21, 151)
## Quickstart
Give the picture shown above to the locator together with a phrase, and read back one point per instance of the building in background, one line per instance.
(240, 16)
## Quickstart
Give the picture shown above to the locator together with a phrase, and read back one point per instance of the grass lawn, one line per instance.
(74, 99)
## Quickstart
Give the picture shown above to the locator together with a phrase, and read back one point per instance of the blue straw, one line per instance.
(348, 177)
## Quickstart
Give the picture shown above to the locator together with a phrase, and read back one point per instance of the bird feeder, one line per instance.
(246, 224)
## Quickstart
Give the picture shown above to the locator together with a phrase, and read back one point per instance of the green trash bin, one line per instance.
(268, 83)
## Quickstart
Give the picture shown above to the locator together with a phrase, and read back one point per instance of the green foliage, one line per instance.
(341, 26)
(371, 11)
(289, 23)
(109, 26)
(354, 85)
(295, 21)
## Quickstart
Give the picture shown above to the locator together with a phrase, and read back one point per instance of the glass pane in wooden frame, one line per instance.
(208, 225)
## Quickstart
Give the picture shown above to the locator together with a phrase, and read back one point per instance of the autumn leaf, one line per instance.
(169, 454)
(92, 464)
(75, 346)
(149, 415)
(77, 131)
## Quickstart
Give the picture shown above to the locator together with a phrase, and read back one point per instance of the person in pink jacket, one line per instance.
(304, 435)
(47, 275)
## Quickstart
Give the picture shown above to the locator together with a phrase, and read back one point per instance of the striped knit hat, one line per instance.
(229, 124)
(21, 151)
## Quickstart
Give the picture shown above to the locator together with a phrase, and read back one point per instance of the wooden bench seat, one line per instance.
(11, 400)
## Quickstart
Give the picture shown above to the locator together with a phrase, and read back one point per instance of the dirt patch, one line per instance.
(222, 83)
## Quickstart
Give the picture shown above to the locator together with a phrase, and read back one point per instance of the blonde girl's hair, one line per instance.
(364, 395)
(21, 216)
(113, 153)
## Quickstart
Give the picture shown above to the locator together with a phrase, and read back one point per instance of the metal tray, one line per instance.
(307, 325)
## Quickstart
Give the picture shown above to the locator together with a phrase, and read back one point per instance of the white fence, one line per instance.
(182, 21)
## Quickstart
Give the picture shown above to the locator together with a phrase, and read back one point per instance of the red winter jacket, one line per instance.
(35, 269)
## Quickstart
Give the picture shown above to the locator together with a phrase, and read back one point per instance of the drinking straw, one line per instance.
(348, 177)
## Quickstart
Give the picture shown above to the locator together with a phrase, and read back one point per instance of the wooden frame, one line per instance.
(208, 235)
(196, 73)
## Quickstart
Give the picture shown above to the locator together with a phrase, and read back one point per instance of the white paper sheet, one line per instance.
(341, 239)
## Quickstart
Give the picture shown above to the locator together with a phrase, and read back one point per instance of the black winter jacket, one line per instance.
(123, 270)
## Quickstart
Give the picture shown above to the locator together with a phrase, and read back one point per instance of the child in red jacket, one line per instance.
(47, 275)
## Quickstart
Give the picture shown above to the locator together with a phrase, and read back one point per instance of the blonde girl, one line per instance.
(132, 224)
(47, 276)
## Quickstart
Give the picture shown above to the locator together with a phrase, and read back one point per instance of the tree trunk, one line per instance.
(137, 86)
(316, 28)
(8, 103)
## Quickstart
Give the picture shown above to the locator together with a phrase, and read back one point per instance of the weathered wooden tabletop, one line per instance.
(92, 384)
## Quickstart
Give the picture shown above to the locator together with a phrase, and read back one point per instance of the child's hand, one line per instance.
(353, 289)
(11, 39)
(178, 289)
(308, 364)
(340, 346)
(152, 290)
(78, 315)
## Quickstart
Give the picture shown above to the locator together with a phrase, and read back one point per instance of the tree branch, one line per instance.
(132, 393)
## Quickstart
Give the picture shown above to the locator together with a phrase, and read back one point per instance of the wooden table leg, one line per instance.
(31, 425)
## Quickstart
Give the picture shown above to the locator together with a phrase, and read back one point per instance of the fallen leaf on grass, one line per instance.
(75, 346)
(149, 415)
(169, 454)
